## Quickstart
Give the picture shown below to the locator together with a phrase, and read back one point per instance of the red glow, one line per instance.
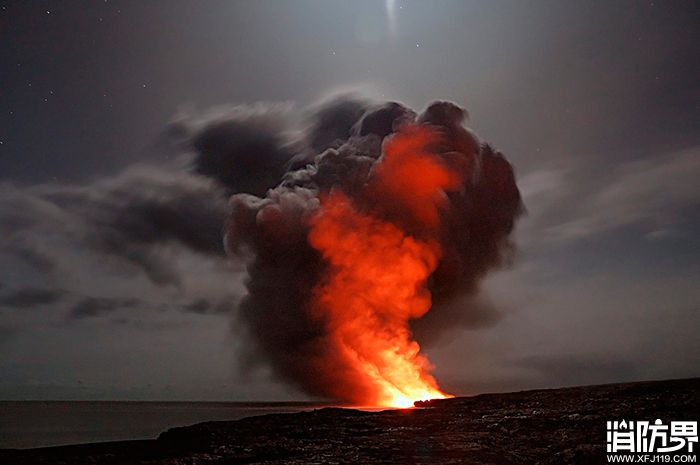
(377, 274)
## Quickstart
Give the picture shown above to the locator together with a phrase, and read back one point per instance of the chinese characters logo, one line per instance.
(656, 437)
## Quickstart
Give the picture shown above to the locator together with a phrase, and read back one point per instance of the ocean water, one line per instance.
(27, 424)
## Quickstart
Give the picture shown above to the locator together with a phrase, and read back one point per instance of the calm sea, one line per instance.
(39, 423)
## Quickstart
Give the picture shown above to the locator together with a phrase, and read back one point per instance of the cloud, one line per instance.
(654, 192)
(30, 297)
(6, 334)
(204, 306)
(95, 306)
(78, 306)
(141, 244)
(132, 219)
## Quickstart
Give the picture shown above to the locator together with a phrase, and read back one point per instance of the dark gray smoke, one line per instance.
(340, 146)
(244, 148)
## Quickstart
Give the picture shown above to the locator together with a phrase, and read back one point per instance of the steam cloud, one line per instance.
(340, 152)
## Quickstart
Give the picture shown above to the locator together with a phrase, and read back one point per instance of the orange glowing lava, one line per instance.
(378, 271)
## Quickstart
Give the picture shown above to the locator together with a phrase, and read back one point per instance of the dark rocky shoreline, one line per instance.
(554, 426)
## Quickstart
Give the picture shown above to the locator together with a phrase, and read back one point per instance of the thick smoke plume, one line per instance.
(382, 220)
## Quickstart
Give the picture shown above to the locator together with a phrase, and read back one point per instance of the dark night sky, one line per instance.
(596, 103)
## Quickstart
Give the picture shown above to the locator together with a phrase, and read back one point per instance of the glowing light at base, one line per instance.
(377, 273)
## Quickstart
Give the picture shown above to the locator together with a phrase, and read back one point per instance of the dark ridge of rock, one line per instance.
(549, 427)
